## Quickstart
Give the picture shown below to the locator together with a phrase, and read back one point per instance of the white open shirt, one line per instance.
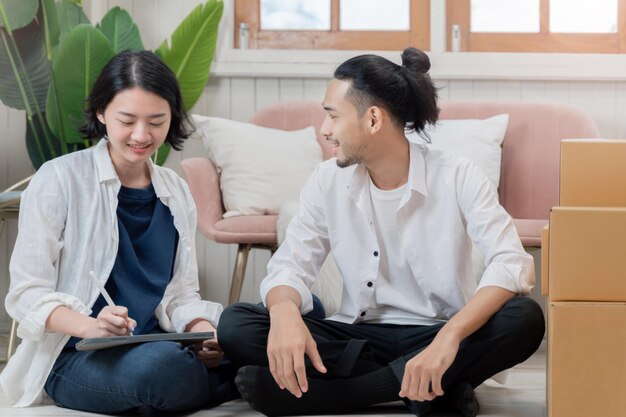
(448, 206)
(67, 227)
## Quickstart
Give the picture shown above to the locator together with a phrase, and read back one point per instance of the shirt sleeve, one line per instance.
(492, 230)
(185, 303)
(34, 263)
(305, 248)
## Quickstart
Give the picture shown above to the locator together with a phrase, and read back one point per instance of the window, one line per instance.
(332, 24)
(592, 26)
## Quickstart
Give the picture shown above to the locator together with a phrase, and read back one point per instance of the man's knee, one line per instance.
(238, 323)
(524, 318)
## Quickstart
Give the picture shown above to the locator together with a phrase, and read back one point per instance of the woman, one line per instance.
(108, 209)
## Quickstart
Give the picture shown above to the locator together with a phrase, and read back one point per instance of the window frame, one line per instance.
(418, 35)
(320, 64)
(458, 12)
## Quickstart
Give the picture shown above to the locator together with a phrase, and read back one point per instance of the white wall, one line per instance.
(237, 97)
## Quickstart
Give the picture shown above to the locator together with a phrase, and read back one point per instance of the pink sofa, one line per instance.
(528, 181)
(530, 158)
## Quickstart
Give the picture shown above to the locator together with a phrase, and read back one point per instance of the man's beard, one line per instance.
(352, 158)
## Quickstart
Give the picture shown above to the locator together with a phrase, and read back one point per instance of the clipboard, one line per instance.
(96, 343)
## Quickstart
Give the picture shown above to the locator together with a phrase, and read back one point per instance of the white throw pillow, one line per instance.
(480, 141)
(260, 168)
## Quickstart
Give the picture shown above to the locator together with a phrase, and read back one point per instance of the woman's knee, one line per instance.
(168, 375)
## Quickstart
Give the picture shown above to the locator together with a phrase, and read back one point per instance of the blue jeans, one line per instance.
(149, 377)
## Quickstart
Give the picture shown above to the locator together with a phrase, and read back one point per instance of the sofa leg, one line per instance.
(238, 274)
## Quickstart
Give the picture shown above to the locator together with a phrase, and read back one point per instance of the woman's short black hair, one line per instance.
(141, 69)
(405, 91)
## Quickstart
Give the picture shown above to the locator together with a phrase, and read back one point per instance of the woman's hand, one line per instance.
(112, 321)
(209, 352)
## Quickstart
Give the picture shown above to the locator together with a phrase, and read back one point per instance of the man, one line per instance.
(400, 220)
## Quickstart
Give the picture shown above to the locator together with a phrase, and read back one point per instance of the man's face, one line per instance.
(342, 125)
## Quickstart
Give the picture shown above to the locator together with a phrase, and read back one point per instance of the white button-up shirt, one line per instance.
(448, 206)
(68, 227)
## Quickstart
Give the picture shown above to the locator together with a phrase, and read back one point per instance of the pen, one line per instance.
(104, 293)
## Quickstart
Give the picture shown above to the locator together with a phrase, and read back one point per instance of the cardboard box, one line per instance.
(593, 173)
(587, 254)
(587, 360)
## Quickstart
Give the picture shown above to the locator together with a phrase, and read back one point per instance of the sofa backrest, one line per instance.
(529, 180)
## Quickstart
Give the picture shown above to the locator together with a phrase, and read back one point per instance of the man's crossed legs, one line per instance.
(365, 362)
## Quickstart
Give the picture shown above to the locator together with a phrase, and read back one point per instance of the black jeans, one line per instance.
(511, 336)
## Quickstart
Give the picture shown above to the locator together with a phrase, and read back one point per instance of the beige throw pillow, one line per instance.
(260, 168)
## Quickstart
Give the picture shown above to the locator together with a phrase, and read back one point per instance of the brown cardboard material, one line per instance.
(587, 254)
(586, 360)
(593, 173)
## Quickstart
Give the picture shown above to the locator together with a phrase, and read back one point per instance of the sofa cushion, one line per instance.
(260, 168)
(478, 140)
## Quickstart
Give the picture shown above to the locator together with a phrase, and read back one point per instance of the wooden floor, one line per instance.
(523, 395)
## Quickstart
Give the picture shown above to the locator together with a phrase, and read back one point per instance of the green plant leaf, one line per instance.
(121, 31)
(76, 64)
(25, 69)
(15, 14)
(39, 154)
(51, 26)
(53, 112)
(70, 15)
(193, 46)
(161, 154)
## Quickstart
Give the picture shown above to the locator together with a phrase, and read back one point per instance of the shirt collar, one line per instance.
(417, 169)
(104, 165)
(358, 185)
(106, 170)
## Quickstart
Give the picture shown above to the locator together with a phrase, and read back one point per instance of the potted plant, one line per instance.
(50, 55)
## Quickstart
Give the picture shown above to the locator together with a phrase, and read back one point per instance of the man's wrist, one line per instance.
(451, 334)
(287, 306)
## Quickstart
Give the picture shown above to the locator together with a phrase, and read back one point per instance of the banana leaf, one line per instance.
(15, 14)
(161, 154)
(192, 49)
(51, 26)
(39, 154)
(70, 15)
(25, 69)
(121, 31)
(76, 64)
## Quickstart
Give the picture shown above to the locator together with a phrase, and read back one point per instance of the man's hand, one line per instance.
(423, 373)
(288, 341)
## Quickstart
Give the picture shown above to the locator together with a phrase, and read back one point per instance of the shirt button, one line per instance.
(362, 313)
(369, 284)
(375, 253)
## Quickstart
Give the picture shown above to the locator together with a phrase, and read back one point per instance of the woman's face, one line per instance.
(137, 123)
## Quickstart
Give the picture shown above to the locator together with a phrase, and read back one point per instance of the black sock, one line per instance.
(460, 398)
(331, 396)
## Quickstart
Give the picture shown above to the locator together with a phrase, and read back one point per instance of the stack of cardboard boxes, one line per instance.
(584, 276)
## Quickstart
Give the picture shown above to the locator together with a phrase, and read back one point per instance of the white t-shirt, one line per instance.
(390, 304)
